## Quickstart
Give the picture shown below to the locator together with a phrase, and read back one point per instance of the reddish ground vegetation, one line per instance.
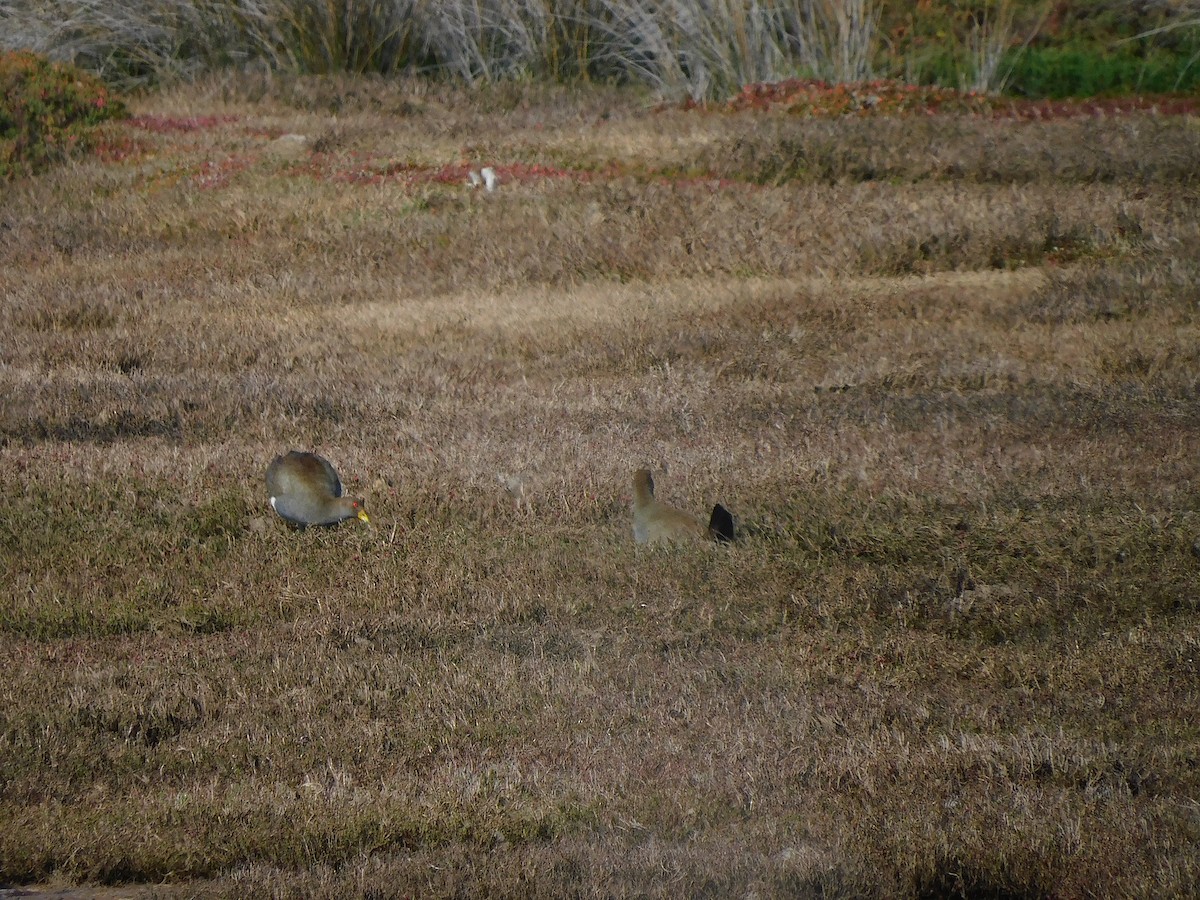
(882, 97)
(820, 99)
(1099, 108)
(217, 173)
(161, 124)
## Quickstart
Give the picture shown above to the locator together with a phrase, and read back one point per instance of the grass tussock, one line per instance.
(945, 379)
(705, 51)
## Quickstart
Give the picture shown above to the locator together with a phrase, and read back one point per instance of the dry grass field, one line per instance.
(945, 371)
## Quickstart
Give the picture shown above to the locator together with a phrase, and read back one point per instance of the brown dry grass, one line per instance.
(945, 372)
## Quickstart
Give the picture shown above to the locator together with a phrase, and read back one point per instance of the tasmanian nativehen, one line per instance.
(655, 522)
(305, 490)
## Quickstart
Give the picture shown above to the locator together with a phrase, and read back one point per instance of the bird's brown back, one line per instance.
(305, 489)
(655, 522)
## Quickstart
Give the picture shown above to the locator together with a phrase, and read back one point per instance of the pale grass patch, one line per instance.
(953, 653)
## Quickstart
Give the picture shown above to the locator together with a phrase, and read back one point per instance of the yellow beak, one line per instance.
(362, 514)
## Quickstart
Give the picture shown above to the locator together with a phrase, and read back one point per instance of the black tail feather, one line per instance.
(720, 524)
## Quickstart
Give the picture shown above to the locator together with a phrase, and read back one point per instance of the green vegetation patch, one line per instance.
(881, 97)
(1078, 70)
(48, 112)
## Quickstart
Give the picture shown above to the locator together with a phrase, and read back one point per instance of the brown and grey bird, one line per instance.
(654, 522)
(305, 490)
